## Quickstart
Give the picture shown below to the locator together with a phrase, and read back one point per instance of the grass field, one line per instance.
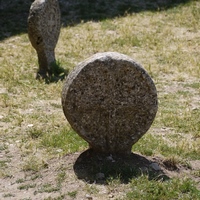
(41, 157)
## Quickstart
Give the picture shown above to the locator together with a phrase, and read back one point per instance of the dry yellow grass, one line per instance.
(37, 145)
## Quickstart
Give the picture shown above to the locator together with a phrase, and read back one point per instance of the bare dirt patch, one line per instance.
(81, 173)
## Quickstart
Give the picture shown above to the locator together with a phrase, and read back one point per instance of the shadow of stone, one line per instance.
(74, 12)
(54, 74)
(55, 78)
(99, 168)
(14, 13)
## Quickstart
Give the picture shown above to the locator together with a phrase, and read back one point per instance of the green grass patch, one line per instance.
(150, 145)
(26, 186)
(33, 163)
(193, 85)
(163, 36)
(47, 188)
(142, 188)
(66, 140)
(7, 195)
(175, 111)
(72, 194)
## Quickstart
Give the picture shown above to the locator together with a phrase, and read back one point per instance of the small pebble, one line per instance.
(110, 196)
(100, 176)
(88, 197)
(155, 166)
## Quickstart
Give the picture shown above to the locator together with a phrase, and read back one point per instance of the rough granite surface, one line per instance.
(110, 101)
(43, 30)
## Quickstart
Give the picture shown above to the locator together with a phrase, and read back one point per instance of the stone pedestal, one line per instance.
(43, 30)
(110, 101)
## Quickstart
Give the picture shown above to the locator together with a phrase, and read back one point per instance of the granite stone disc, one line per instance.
(110, 101)
(44, 24)
(43, 31)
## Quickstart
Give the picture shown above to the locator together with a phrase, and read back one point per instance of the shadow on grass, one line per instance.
(14, 13)
(100, 168)
(54, 74)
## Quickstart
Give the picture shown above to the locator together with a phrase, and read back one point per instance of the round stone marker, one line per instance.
(43, 31)
(110, 101)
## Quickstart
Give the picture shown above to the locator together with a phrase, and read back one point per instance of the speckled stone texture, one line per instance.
(43, 30)
(110, 101)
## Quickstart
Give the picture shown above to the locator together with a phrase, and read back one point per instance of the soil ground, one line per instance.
(63, 176)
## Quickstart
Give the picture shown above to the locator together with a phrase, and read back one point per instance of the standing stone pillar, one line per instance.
(43, 31)
(110, 101)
